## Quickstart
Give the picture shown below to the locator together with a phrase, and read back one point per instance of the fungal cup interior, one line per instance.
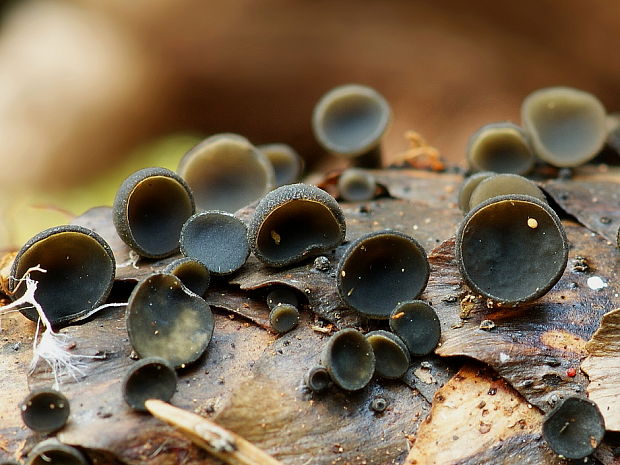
(45, 411)
(349, 359)
(504, 184)
(149, 378)
(417, 324)
(501, 148)
(391, 354)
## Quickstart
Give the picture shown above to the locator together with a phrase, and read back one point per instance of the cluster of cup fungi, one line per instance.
(511, 249)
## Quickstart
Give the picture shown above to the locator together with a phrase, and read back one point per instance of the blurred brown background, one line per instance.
(84, 83)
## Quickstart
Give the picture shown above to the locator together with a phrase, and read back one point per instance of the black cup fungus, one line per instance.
(567, 126)
(391, 354)
(80, 271)
(287, 164)
(349, 359)
(501, 148)
(380, 270)
(216, 239)
(226, 172)
(504, 184)
(149, 378)
(284, 317)
(193, 274)
(282, 295)
(468, 186)
(294, 222)
(45, 410)
(417, 325)
(317, 379)
(511, 249)
(164, 320)
(149, 210)
(53, 452)
(357, 185)
(574, 428)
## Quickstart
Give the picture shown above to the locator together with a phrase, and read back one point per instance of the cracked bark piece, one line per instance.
(603, 368)
(477, 418)
(533, 345)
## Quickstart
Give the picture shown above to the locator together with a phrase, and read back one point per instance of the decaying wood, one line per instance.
(225, 445)
(477, 418)
(603, 368)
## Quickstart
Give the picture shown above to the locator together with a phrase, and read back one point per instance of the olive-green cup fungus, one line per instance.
(53, 452)
(504, 184)
(357, 185)
(193, 274)
(417, 325)
(226, 172)
(349, 359)
(511, 249)
(350, 120)
(216, 239)
(574, 428)
(295, 222)
(284, 317)
(288, 166)
(391, 354)
(567, 126)
(149, 210)
(468, 186)
(282, 295)
(45, 410)
(380, 270)
(80, 269)
(501, 148)
(165, 320)
(317, 379)
(149, 378)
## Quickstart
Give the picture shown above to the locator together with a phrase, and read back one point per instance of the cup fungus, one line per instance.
(567, 126)
(282, 295)
(45, 410)
(349, 359)
(294, 222)
(357, 185)
(350, 120)
(287, 164)
(317, 379)
(149, 378)
(391, 354)
(504, 184)
(500, 147)
(284, 317)
(193, 274)
(80, 270)
(511, 249)
(417, 324)
(575, 428)
(216, 239)
(164, 320)
(53, 452)
(380, 270)
(469, 184)
(226, 172)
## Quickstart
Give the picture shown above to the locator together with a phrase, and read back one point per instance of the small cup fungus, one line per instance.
(284, 317)
(149, 378)
(391, 354)
(45, 410)
(417, 324)
(193, 274)
(54, 452)
(504, 184)
(287, 164)
(349, 359)
(357, 185)
(468, 186)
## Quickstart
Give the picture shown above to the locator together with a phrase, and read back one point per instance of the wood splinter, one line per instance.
(223, 444)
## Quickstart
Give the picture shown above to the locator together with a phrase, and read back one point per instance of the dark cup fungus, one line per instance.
(284, 317)
(149, 210)
(80, 271)
(45, 410)
(500, 147)
(567, 126)
(349, 359)
(469, 184)
(193, 274)
(380, 270)
(504, 184)
(149, 378)
(164, 320)
(282, 295)
(317, 379)
(391, 354)
(417, 324)
(511, 249)
(226, 172)
(287, 164)
(216, 239)
(350, 120)
(575, 428)
(294, 222)
(357, 185)
(53, 452)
